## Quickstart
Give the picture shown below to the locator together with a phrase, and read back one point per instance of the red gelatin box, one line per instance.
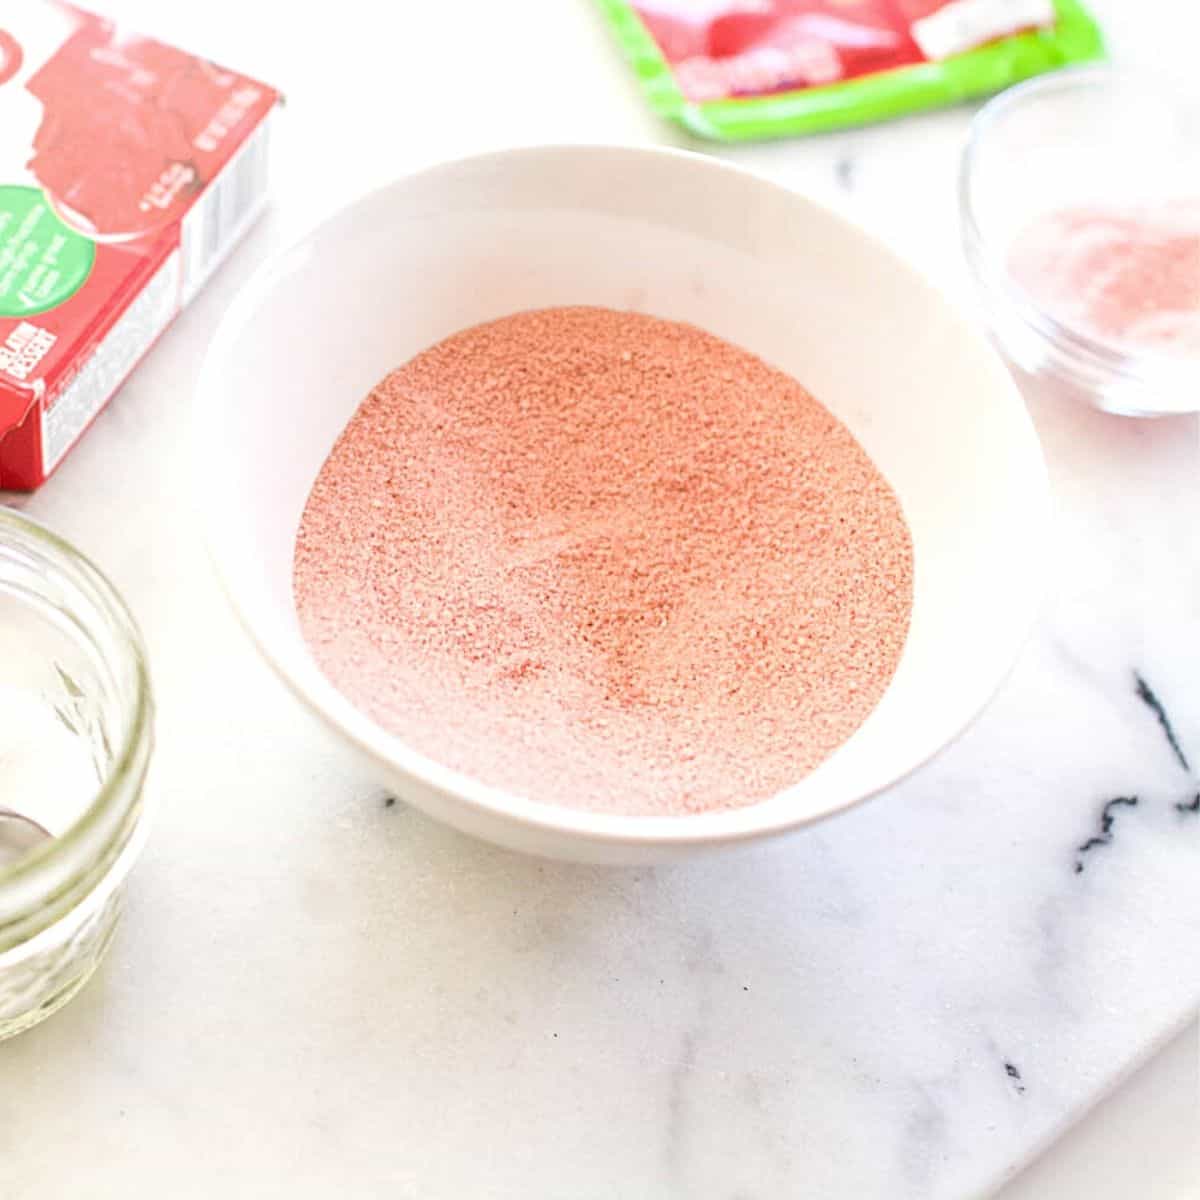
(128, 171)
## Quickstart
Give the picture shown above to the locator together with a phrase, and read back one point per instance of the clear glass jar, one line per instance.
(1093, 135)
(68, 648)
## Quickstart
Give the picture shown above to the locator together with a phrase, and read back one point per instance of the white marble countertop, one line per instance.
(317, 990)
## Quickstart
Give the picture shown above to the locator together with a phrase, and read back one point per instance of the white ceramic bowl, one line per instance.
(684, 237)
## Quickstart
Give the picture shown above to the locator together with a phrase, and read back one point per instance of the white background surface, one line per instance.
(373, 91)
(1140, 1141)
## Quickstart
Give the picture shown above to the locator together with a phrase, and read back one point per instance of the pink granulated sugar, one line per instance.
(607, 561)
(1127, 275)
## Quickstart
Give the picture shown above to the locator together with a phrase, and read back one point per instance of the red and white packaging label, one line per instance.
(128, 171)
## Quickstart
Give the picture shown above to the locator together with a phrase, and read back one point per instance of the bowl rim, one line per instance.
(711, 829)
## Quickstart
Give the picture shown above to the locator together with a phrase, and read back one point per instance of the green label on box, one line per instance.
(42, 261)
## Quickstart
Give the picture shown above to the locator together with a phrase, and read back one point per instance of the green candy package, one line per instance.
(735, 70)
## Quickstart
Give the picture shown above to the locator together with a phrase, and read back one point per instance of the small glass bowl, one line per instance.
(1093, 135)
(69, 645)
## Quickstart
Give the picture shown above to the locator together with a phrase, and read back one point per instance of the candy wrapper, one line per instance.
(742, 69)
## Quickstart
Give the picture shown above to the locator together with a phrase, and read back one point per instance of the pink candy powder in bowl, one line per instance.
(526, 552)
(605, 561)
(1080, 205)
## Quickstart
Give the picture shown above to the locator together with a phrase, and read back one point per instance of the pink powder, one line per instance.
(1129, 275)
(606, 561)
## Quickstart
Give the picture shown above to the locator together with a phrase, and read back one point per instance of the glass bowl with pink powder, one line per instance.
(1080, 207)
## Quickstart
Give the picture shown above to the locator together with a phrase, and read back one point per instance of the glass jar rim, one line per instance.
(72, 846)
(1091, 356)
